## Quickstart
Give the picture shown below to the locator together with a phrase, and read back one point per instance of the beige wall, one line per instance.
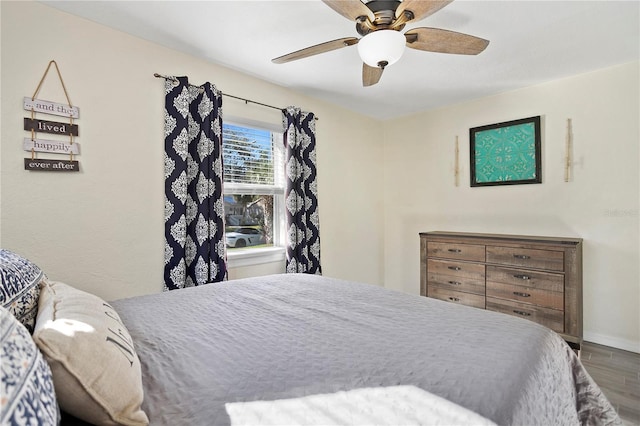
(102, 229)
(599, 204)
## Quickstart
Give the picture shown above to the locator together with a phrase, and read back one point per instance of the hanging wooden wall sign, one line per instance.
(53, 127)
(53, 108)
(32, 124)
(51, 165)
(54, 147)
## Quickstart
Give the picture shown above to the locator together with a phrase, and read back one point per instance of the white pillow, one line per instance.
(96, 371)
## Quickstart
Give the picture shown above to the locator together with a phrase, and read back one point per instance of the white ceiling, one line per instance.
(531, 42)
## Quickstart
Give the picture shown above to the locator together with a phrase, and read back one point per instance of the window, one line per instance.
(253, 160)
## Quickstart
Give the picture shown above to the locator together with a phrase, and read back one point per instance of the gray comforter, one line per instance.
(209, 351)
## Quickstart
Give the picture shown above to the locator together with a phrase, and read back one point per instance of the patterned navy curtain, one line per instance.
(303, 224)
(194, 229)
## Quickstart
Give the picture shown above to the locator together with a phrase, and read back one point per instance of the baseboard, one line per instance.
(614, 342)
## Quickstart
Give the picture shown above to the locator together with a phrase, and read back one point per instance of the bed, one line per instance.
(305, 349)
(290, 336)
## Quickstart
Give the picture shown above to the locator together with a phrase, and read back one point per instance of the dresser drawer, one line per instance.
(448, 295)
(527, 278)
(456, 269)
(528, 295)
(550, 318)
(467, 285)
(459, 251)
(528, 258)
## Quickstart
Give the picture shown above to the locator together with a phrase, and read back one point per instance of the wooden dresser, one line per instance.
(537, 278)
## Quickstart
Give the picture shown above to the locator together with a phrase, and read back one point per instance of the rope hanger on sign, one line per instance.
(61, 82)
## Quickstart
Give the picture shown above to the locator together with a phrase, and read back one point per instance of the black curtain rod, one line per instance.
(225, 94)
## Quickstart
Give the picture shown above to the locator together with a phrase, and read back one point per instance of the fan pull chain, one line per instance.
(456, 167)
(567, 158)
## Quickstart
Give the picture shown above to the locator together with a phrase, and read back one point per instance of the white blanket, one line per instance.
(393, 405)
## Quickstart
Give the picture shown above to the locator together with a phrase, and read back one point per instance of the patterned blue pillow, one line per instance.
(28, 395)
(19, 287)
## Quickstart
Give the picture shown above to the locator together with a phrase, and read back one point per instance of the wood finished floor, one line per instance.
(617, 372)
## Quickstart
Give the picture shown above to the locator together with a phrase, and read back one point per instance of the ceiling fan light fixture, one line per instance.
(382, 46)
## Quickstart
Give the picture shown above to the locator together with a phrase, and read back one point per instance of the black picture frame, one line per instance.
(506, 153)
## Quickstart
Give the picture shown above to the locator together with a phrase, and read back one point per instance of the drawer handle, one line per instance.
(455, 268)
(521, 256)
(522, 313)
(454, 282)
(454, 299)
(522, 277)
(517, 293)
(455, 250)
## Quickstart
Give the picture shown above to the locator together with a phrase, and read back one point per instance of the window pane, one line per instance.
(248, 155)
(249, 220)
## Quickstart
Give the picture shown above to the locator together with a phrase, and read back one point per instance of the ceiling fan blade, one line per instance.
(420, 8)
(314, 50)
(370, 75)
(444, 41)
(350, 9)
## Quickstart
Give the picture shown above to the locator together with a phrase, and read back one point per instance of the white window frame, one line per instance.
(256, 256)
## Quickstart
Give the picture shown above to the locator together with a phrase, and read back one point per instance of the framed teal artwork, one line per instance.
(506, 153)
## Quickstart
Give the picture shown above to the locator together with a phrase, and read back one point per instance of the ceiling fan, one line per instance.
(382, 44)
